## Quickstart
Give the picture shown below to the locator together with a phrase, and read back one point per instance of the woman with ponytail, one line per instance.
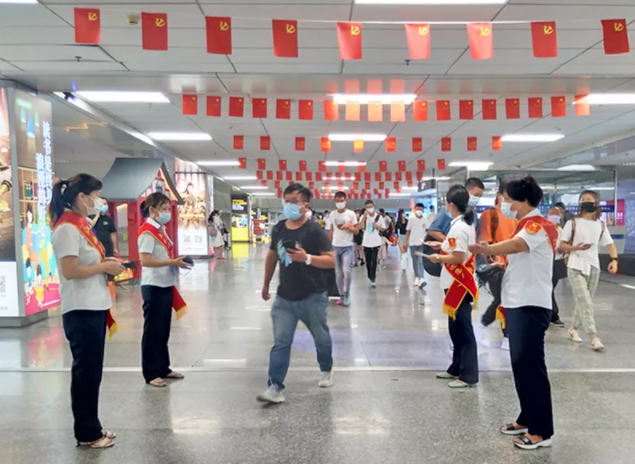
(457, 280)
(85, 299)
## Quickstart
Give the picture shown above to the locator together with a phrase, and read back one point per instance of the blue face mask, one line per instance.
(474, 201)
(104, 209)
(449, 214)
(291, 211)
(164, 218)
(506, 209)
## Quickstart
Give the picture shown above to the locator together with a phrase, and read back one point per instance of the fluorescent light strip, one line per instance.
(263, 194)
(240, 178)
(253, 187)
(180, 137)
(20, 2)
(532, 137)
(400, 194)
(610, 99)
(345, 163)
(123, 97)
(577, 167)
(430, 2)
(218, 163)
(366, 98)
(472, 165)
(353, 137)
(335, 187)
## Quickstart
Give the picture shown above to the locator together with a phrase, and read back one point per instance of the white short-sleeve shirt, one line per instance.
(372, 239)
(341, 238)
(417, 227)
(90, 293)
(461, 235)
(586, 231)
(527, 278)
(157, 276)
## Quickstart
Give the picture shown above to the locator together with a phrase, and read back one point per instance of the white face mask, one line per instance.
(507, 211)
(340, 205)
(370, 210)
(419, 213)
(94, 210)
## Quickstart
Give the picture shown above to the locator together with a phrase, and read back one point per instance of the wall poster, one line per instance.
(192, 233)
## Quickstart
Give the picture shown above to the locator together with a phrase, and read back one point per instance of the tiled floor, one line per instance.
(385, 405)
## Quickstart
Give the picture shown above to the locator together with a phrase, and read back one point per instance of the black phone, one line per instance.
(188, 260)
(130, 265)
(289, 243)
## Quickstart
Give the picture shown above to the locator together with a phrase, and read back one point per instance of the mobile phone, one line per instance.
(129, 265)
(289, 243)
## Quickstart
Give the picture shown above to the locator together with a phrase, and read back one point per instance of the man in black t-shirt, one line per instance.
(304, 252)
(106, 231)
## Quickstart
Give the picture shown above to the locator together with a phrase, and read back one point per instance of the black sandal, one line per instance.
(527, 444)
(509, 429)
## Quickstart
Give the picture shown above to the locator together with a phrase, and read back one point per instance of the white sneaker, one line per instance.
(417, 281)
(273, 394)
(597, 344)
(505, 344)
(326, 380)
(573, 336)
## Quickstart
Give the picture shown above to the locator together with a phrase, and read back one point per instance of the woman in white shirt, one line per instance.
(457, 280)
(526, 297)
(580, 238)
(158, 289)
(85, 299)
(216, 226)
(372, 224)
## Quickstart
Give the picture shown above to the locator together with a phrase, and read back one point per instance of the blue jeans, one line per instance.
(343, 260)
(417, 261)
(285, 315)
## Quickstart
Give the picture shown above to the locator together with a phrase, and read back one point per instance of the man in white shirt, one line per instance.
(373, 225)
(341, 227)
(415, 235)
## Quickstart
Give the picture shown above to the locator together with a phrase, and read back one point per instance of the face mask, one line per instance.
(554, 218)
(419, 213)
(473, 203)
(164, 218)
(506, 209)
(95, 209)
(340, 205)
(371, 210)
(104, 208)
(291, 211)
(588, 206)
(449, 214)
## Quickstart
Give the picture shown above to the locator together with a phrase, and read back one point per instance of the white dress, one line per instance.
(218, 240)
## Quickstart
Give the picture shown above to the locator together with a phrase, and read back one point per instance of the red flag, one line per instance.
(397, 186)
(402, 166)
(279, 175)
(325, 145)
(341, 168)
(213, 106)
(285, 38)
(388, 176)
(243, 163)
(306, 110)
(309, 175)
(236, 106)
(358, 146)
(360, 168)
(349, 37)
(582, 107)
(391, 144)
(381, 186)
(321, 168)
(398, 176)
(87, 26)
(283, 109)
(535, 107)
(282, 165)
(558, 107)
(263, 183)
(265, 142)
(480, 36)
(446, 144)
(259, 174)
(397, 112)
(512, 108)
(262, 164)
(317, 194)
(544, 39)
(383, 166)
(154, 31)
(300, 144)
(269, 175)
(367, 176)
(375, 112)
(417, 144)
(190, 105)
(239, 142)
(443, 110)
(418, 41)
(298, 176)
(408, 176)
(289, 176)
(441, 164)
(367, 185)
(497, 144)
(466, 109)
(472, 144)
(420, 174)
(489, 110)
(311, 185)
(302, 165)
(358, 174)
(378, 174)
(352, 111)
(219, 35)
(259, 108)
(420, 110)
(331, 111)
(615, 36)
(421, 165)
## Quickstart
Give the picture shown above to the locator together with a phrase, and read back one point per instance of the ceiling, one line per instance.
(47, 60)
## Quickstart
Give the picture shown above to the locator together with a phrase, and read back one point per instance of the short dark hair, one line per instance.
(432, 208)
(419, 205)
(341, 193)
(459, 197)
(300, 189)
(369, 202)
(474, 182)
(561, 205)
(524, 188)
(382, 210)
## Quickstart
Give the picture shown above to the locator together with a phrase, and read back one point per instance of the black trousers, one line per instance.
(489, 316)
(465, 357)
(86, 332)
(371, 262)
(559, 272)
(526, 327)
(157, 320)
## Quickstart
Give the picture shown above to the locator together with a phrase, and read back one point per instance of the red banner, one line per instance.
(349, 37)
(420, 110)
(480, 37)
(219, 35)
(421, 165)
(391, 144)
(87, 26)
(544, 39)
(418, 36)
(282, 165)
(489, 110)
(213, 106)
(154, 29)
(558, 107)
(397, 112)
(443, 110)
(285, 38)
(262, 163)
(472, 144)
(300, 144)
(306, 110)
(512, 108)
(259, 108)
(283, 109)
(401, 164)
(190, 105)
(242, 163)
(446, 144)
(582, 107)
(236, 107)
(239, 142)
(331, 111)
(325, 145)
(497, 144)
(535, 108)
(352, 111)
(417, 144)
(265, 142)
(466, 109)
(615, 36)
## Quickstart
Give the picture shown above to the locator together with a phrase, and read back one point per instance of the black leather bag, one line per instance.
(434, 269)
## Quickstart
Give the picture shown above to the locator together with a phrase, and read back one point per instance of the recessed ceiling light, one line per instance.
(240, 178)
(472, 165)
(253, 187)
(180, 136)
(532, 137)
(345, 163)
(366, 98)
(353, 137)
(123, 97)
(400, 194)
(577, 167)
(430, 2)
(590, 187)
(611, 99)
(219, 163)
(263, 194)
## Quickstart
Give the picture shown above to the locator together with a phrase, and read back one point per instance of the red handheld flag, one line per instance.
(302, 165)
(87, 26)
(466, 109)
(535, 107)
(352, 111)
(615, 36)
(472, 144)
(331, 111)
(306, 110)
(441, 164)
(358, 146)
(154, 31)
(421, 165)
(190, 105)
(582, 107)
(401, 164)
(383, 166)
(391, 144)
(283, 109)
(325, 145)
(558, 107)
(446, 144)
(375, 112)
(544, 39)
(512, 108)
(213, 106)
(420, 110)
(300, 144)
(219, 35)
(497, 144)
(236, 106)
(443, 110)
(285, 38)
(349, 37)
(282, 165)
(243, 163)
(262, 164)
(239, 142)
(418, 41)
(397, 112)
(265, 142)
(259, 108)
(480, 36)
(489, 110)
(417, 144)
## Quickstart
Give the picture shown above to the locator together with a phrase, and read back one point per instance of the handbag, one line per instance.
(434, 269)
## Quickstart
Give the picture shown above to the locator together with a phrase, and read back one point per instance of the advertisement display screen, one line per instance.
(192, 233)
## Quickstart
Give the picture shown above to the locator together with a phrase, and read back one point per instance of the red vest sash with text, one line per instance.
(464, 283)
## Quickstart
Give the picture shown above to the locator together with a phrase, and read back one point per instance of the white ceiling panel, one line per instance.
(28, 15)
(424, 14)
(173, 55)
(276, 10)
(64, 66)
(45, 35)
(51, 53)
(567, 12)
(289, 68)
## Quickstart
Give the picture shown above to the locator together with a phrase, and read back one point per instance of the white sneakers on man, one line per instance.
(326, 380)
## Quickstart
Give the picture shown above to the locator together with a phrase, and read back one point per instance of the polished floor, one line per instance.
(385, 406)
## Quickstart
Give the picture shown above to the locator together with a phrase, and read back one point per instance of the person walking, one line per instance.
(341, 227)
(415, 235)
(526, 299)
(159, 272)
(580, 238)
(304, 252)
(215, 229)
(373, 224)
(385, 242)
(401, 226)
(85, 299)
(359, 239)
(559, 267)
(457, 281)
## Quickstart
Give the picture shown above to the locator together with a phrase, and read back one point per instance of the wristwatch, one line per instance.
(615, 259)
(308, 260)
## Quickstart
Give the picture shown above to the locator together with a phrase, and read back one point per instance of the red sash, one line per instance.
(178, 303)
(532, 226)
(464, 283)
(83, 227)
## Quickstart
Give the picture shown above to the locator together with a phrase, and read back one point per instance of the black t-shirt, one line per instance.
(104, 227)
(297, 280)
